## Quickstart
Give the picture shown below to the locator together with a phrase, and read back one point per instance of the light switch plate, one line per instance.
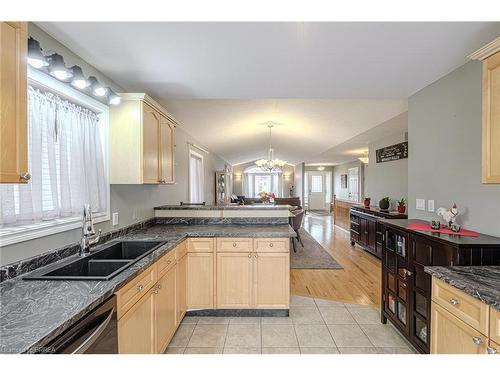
(115, 218)
(430, 205)
(420, 204)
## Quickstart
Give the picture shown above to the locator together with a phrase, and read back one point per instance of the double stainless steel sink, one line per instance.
(103, 264)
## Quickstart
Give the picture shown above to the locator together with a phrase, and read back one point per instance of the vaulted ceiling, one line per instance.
(327, 82)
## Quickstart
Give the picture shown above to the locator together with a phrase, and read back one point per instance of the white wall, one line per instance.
(341, 169)
(444, 124)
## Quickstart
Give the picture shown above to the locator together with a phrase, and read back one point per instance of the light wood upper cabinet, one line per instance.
(141, 142)
(165, 311)
(491, 119)
(136, 329)
(13, 102)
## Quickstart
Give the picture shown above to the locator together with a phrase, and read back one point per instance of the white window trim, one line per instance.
(21, 233)
(198, 155)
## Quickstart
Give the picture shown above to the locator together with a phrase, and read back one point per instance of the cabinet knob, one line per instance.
(159, 286)
(271, 245)
(477, 340)
(256, 255)
(25, 176)
(235, 244)
(140, 287)
(454, 301)
(491, 350)
(249, 255)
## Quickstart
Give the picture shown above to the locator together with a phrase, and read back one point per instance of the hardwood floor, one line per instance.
(359, 282)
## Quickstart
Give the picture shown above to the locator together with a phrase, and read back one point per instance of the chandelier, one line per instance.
(270, 164)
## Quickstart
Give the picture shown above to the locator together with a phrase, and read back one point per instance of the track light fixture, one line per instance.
(97, 89)
(35, 56)
(79, 81)
(113, 99)
(57, 68)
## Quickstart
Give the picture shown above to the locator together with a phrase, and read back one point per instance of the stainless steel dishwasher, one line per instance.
(95, 333)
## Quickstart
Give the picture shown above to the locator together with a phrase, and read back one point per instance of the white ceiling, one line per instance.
(348, 76)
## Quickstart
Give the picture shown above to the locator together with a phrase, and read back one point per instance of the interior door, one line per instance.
(317, 190)
(353, 183)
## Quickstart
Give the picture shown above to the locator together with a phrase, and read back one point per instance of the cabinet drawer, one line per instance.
(181, 250)
(166, 262)
(466, 308)
(494, 324)
(234, 244)
(200, 245)
(271, 245)
(133, 291)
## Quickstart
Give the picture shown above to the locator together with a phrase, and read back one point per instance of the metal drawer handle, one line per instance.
(140, 287)
(477, 340)
(491, 350)
(454, 301)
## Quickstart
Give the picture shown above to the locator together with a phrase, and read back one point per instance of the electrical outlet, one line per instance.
(430, 205)
(420, 204)
(115, 219)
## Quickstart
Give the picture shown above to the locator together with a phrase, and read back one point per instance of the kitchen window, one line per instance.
(257, 181)
(67, 157)
(196, 177)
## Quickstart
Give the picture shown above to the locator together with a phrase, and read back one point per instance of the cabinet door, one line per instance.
(450, 335)
(372, 233)
(200, 280)
(165, 310)
(166, 151)
(151, 120)
(181, 285)
(272, 280)
(491, 119)
(234, 280)
(363, 234)
(13, 102)
(136, 334)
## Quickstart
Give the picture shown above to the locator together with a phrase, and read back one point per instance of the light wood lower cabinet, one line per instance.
(136, 329)
(234, 280)
(181, 287)
(451, 335)
(272, 280)
(200, 280)
(165, 309)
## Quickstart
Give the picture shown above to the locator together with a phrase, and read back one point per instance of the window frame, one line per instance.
(202, 182)
(20, 233)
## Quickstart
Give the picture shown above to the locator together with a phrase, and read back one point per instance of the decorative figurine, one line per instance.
(449, 216)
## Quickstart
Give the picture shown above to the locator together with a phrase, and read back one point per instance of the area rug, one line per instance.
(312, 255)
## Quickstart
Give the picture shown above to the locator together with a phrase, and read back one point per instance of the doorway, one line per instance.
(353, 183)
(316, 194)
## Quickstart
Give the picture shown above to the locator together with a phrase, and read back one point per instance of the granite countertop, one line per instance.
(480, 282)
(483, 240)
(33, 312)
(227, 207)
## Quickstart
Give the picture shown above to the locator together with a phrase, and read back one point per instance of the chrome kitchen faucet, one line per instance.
(89, 237)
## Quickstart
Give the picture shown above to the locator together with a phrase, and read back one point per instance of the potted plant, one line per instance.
(384, 204)
(367, 202)
(402, 205)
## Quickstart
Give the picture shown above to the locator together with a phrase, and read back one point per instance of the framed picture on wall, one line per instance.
(343, 181)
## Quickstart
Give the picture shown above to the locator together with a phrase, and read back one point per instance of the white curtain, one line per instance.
(196, 178)
(66, 162)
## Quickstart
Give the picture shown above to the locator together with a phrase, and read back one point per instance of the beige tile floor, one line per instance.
(315, 326)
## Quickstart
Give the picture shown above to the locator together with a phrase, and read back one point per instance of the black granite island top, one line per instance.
(227, 207)
(33, 312)
(480, 282)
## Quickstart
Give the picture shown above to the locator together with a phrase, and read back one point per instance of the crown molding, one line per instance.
(486, 51)
(153, 103)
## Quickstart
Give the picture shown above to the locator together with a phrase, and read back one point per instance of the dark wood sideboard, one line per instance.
(365, 230)
(406, 288)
